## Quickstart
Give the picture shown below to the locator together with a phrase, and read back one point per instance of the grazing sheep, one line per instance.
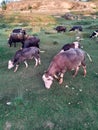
(23, 55)
(62, 62)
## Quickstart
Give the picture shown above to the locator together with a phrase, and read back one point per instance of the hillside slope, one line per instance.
(51, 6)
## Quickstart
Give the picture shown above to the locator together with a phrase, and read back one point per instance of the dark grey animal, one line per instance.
(17, 35)
(70, 45)
(60, 29)
(19, 30)
(74, 45)
(62, 62)
(31, 42)
(76, 28)
(23, 55)
(94, 34)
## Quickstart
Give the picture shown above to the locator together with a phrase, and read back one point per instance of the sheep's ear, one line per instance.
(10, 61)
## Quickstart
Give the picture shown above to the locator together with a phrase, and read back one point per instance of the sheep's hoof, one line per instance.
(61, 81)
(74, 76)
(26, 66)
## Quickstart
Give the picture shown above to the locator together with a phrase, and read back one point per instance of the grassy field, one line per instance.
(25, 104)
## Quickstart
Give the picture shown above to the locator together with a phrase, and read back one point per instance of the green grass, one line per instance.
(33, 107)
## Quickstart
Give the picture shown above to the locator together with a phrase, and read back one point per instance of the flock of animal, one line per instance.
(71, 56)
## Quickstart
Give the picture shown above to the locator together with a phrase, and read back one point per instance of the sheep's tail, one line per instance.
(89, 57)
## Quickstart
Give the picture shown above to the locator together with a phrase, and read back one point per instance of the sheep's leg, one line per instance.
(16, 68)
(84, 69)
(61, 78)
(26, 64)
(56, 77)
(76, 71)
(14, 44)
(39, 61)
(36, 62)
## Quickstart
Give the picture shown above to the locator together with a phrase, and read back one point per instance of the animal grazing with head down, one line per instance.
(70, 45)
(23, 55)
(17, 35)
(31, 41)
(94, 34)
(60, 29)
(74, 45)
(76, 28)
(62, 62)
